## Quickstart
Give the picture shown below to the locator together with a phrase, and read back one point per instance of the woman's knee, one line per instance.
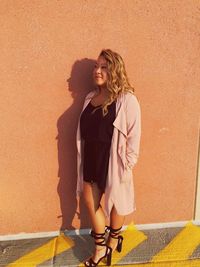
(88, 201)
(91, 199)
(87, 196)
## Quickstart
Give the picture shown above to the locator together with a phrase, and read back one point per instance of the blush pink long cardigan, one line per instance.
(124, 153)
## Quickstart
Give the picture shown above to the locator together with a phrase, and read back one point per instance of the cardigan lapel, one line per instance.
(120, 120)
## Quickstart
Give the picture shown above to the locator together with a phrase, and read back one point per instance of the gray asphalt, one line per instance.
(156, 240)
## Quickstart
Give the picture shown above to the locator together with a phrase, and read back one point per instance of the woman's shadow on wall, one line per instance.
(78, 84)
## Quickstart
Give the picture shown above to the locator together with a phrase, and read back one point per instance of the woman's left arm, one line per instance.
(133, 115)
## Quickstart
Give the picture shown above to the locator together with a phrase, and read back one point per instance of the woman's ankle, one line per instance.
(99, 253)
(112, 242)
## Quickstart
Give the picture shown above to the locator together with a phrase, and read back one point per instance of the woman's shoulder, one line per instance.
(129, 97)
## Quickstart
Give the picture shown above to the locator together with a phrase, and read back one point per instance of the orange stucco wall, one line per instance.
(46, 55)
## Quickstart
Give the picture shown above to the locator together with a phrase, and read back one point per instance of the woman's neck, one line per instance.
(103, 91)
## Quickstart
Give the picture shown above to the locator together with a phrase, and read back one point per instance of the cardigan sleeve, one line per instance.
(133, 116)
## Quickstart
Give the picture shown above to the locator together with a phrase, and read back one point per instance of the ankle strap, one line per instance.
(114, 232)
(110, 229)
(100, 237)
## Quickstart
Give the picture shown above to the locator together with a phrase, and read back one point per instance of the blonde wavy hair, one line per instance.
(117, 81)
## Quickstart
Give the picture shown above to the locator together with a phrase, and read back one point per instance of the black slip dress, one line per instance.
(96, 131)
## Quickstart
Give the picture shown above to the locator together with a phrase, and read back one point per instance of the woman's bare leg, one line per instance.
(92, 197)
(116, 221)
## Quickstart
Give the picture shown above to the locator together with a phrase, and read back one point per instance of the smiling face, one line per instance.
(100, 72)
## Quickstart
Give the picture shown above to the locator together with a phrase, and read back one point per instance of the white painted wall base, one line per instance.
(86, 231)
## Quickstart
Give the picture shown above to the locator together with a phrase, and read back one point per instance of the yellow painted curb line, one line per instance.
(132, 238)
(182, 246)
(188, 263)
(45, 252)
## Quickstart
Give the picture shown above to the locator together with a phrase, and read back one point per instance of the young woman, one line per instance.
(108, 140)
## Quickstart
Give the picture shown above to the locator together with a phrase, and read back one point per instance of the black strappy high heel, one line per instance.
(114, 233)
(100, 241)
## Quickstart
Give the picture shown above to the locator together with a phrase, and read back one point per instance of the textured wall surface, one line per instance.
(197, 200)
(47, 52)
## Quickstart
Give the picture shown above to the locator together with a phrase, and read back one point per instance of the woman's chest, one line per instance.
(94, 125)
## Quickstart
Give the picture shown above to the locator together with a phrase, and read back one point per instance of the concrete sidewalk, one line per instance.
(158, 247)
